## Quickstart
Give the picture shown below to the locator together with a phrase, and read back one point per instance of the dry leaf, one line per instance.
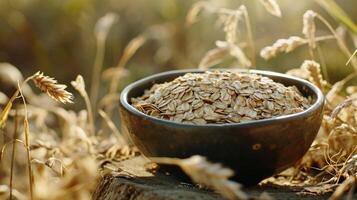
(5, 113)
(212, 175)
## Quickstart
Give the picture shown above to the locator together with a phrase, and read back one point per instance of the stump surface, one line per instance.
(134, 183)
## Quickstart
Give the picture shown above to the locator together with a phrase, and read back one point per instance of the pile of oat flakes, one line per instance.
(220, 97)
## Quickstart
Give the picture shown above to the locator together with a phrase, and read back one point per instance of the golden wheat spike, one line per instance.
(314, 70)
(52, 88)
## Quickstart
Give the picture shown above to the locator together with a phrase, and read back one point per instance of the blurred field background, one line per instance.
(57, 36)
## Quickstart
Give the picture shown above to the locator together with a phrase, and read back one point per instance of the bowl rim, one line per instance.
(283, 118)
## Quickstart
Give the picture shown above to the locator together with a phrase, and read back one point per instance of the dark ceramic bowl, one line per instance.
(255, 150)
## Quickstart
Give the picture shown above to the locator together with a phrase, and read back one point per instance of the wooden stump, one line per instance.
(134, 183)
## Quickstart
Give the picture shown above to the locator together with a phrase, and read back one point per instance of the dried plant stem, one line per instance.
(90, 113)
(348, 184)
(112, 126)
(98, 63)
(338, 86)
(323, 62)
(311, 52)
(79, 85)
(27, 143)
(129, 51)
(2, 152)
(349, 60)
(250, 36)
(340, 42)
(13, 154)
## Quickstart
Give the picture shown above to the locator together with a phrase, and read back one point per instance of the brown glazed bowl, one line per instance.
(255, 150)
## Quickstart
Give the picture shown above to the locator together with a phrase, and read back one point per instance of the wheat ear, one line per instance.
(288, 45)
(314, 70)
(272, 7)
(52, 88)
(309, 27)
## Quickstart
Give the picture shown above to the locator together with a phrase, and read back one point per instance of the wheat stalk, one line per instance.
(314, 70)
(235, 51)
(13, 154)
(102, 29)
(27, 141)
(336, 88)
(212, 175)
(272, 7)
(196, 8)
(130, 49)
(112, 126)
(339, 40)
(80, 86)
(349, 60)
(50, 86)
(249, 33)
(213, 57)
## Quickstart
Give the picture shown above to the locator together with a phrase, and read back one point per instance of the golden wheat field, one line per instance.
(63, 65)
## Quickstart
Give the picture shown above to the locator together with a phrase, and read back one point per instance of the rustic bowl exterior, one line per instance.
(255, 150)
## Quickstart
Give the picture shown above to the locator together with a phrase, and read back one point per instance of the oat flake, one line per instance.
(218, 97)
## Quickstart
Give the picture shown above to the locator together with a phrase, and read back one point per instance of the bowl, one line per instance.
(254, 150)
